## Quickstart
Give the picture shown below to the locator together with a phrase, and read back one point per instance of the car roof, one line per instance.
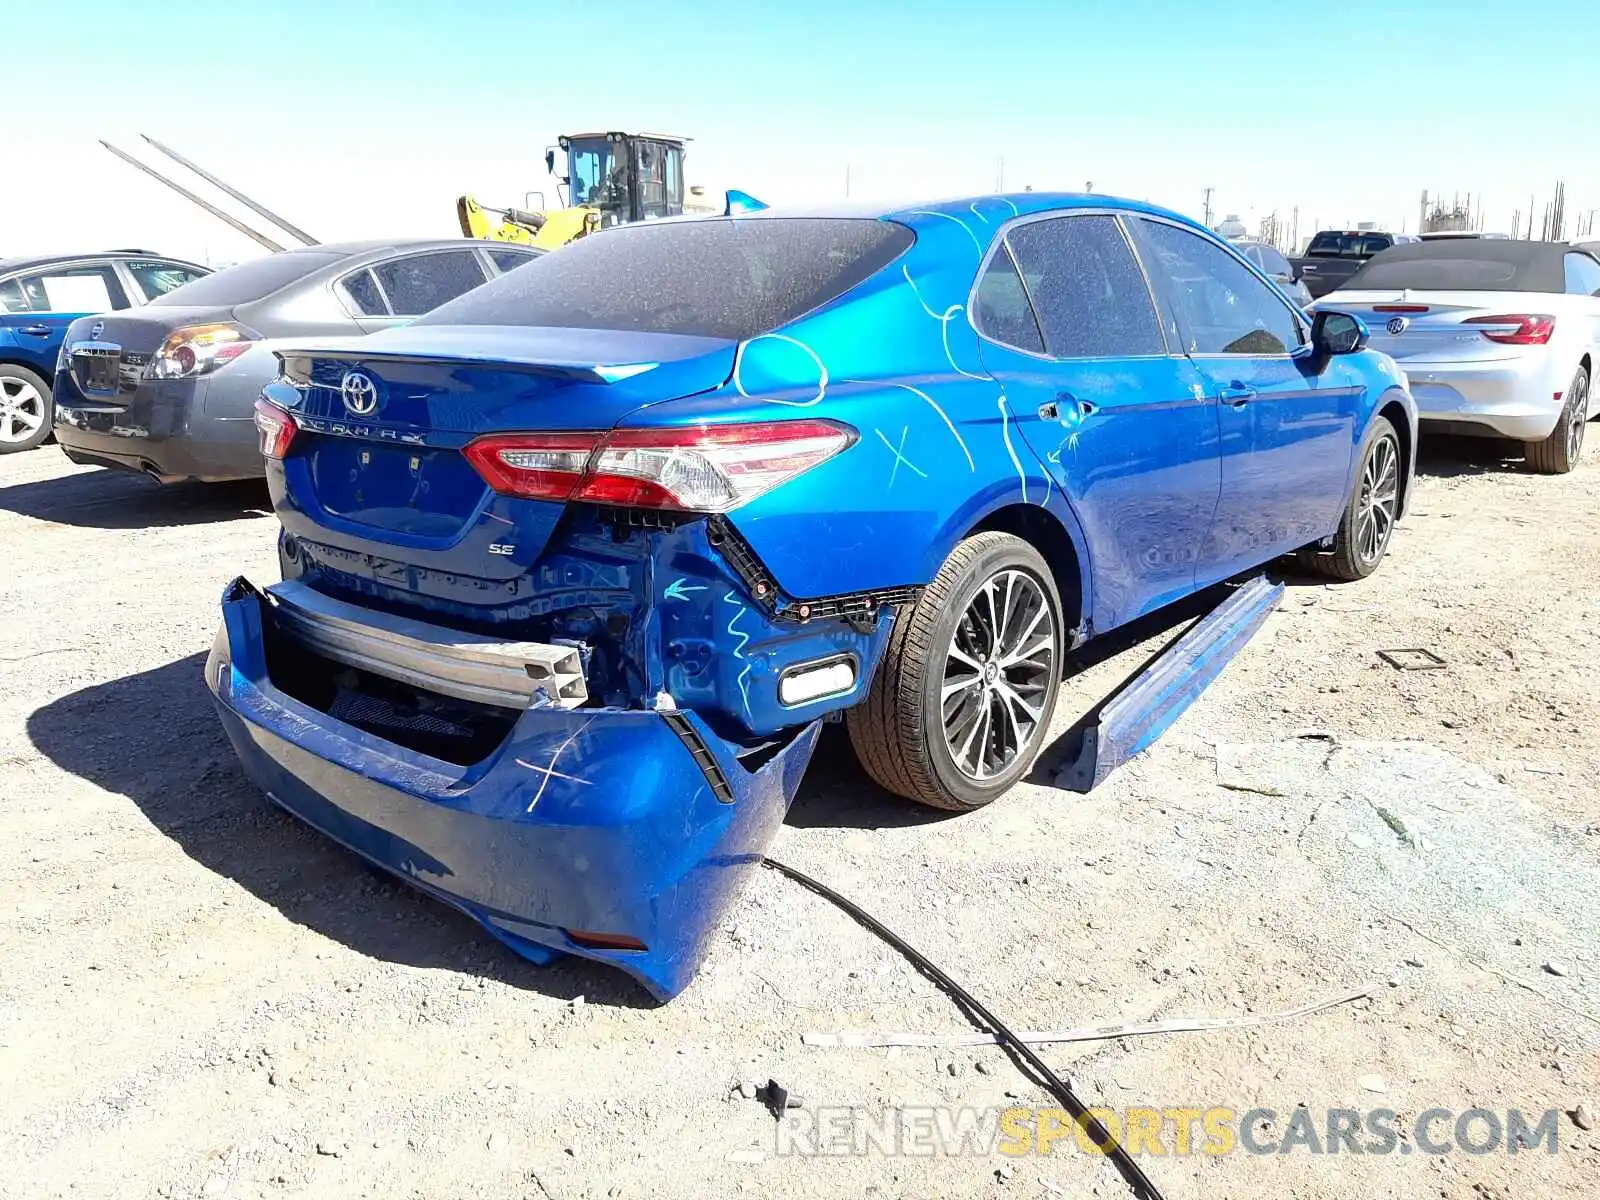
(1540, 266)
(976, 211)
(30, 262)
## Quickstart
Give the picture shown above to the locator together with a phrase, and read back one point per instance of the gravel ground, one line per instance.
(198, 997)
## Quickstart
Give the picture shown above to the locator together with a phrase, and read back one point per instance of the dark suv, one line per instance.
(40, 297)
(1335, 255)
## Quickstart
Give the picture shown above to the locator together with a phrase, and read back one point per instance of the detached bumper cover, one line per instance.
(598, 820)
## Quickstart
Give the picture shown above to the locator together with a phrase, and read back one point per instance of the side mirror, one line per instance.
(1338, 333)
(550, 162)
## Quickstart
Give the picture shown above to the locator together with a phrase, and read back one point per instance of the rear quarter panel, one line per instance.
(937, 445)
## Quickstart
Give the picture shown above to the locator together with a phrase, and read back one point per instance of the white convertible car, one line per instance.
(1497, 337)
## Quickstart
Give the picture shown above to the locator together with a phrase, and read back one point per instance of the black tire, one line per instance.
(23, 392)
(899, 732)
(1375, 494)
(1559, 452)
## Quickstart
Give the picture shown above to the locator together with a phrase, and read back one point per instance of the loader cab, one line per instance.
(628, 177)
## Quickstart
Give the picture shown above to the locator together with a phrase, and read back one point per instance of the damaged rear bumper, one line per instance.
(583, 830)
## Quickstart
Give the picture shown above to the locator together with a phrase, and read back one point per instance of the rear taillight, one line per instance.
(276, 427)
(200, 349)
(706, 468)
(1515, 329)
(1400, 308)
(544, 466)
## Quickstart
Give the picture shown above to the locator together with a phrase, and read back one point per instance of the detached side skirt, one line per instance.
(1141, 711)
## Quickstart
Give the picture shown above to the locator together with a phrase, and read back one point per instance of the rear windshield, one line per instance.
(1348, 245)
(250, 280)
(1463, 266)
(721, 278)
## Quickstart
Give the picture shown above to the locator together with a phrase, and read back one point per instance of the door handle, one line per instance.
(1052, 411)
(35, 330)
(1237, 393)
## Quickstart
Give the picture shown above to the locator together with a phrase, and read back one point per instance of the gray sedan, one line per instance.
(169, 389)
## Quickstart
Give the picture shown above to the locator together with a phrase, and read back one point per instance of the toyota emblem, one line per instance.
(1398, 325)
(359, 393)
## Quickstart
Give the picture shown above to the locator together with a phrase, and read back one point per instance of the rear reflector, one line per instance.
(604, 941)
(703, 468)
(1515, 329)
(276, 428)
(800, 685)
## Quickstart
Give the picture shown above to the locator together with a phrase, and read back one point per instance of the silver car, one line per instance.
(1497, 337)
(170, 389)
(1278, 268)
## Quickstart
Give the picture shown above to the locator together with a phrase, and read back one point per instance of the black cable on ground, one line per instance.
(1021, 1053)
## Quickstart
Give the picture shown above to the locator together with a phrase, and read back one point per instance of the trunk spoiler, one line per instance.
(602, 356)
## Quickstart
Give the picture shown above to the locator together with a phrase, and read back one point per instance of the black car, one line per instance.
(169, 389)
(39, 297)
(1334, 255)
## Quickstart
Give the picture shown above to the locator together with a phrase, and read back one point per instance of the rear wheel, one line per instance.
(25, 409)
(962, 700)
(1369, 514)
(1559, 452)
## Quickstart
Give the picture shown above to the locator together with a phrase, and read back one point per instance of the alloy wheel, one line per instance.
(1379, 502)
(1577, 417)
(997, 674)
(21, 409)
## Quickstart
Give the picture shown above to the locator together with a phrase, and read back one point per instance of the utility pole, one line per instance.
(847, 179)
(1000, 174)
(1208, 207)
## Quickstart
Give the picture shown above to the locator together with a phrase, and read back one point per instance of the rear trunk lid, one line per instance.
(377, 472)
(107, 355)
(1431, 327)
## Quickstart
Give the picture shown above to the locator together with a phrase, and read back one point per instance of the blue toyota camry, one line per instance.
(575, 565)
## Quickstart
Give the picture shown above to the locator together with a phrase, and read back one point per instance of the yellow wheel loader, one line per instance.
(611, 179)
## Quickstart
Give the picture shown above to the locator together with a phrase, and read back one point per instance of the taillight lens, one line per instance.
(544, 466)
(1515, 329)
(276, 427)
(706, 468)
(200, 349)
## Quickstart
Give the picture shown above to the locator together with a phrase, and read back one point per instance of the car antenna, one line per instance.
(259, 238)
(258, 209)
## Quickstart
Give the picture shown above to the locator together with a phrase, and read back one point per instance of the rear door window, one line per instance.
(732, 277)
(1087, 289)
(1000, 307)
(422, 282)
(507, 259)
(87, 288)
(365, 297)
(1223, 308)
(155, 277)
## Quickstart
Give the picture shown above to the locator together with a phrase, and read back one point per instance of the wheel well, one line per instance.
(1396, 413)
(1041, 530)
(7, 361)
(1587, 368)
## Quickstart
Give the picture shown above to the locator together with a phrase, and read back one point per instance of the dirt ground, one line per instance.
(199, 997)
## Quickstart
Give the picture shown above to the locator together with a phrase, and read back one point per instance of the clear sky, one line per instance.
(355, 119)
